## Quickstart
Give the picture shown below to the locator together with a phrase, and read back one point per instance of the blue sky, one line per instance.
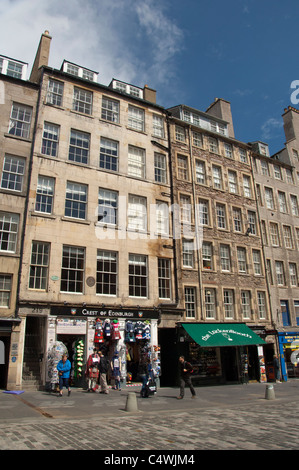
(190, 51)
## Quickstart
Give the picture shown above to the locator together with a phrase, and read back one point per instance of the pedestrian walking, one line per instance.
(103, 366)
(115, 365)
(276, 368)
(185, 370)
(64, 371)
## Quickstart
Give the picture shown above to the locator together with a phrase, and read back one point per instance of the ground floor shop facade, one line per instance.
(288, 340)
(219, 353)
(43, 334)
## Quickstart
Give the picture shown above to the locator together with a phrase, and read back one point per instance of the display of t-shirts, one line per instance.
(98, 334)
(115, 330)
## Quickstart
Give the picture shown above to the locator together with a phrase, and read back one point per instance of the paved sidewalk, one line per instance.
(83, 404)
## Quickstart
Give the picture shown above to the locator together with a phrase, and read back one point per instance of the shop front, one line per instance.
(131, 334)
(288, 341)
(222, 353)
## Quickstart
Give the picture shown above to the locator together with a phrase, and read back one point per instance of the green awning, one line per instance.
(222, 334)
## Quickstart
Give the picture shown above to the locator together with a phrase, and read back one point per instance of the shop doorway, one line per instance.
(229, 364)
(69, 341)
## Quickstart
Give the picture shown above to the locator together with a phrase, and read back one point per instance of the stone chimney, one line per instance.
(221, 109)
(149, 94)
(42, 57)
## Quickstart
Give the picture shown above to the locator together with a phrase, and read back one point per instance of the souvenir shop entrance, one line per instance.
(132, 335)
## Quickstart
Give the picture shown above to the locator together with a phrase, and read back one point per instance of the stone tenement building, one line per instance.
(115, 210)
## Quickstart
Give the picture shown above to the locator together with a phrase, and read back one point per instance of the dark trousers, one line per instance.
(186, 381)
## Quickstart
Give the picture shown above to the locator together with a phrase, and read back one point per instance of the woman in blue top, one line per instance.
(64, 371)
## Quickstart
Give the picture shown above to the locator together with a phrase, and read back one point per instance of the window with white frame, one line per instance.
(289, 176)
(203, 212)
(110, 110)
(217, 177)
(160, 168)
(287, 235)
(200, 170)
(82, 101)
(106, 282)
(265, 168)
(293, 274)
(213, 144)
(279, 273)
(79, 147)
(237, 219)
(228, 303)
(44, 194)
(107, 207)
(183, 170)
(162, 218)
(164, 278)
(39, 265)
(185, 208)
(14, 69)
(190, 302)
(242, 155)
(257, 263)
(261, 298)
(252, 222)
(137, 213)
(50, 139)
(136, 118)
(232, 182)
(55, 92)
(108, 154)
(228, 150)
(9, 225)
(158, 126)
(221, 216)
(5, 290)
(72, 269)
(225, 261)
(274, 234)
(136, 162)
(282, 202)
(245, 304)
(207, 255)
(294, 204)
(13, 173)
(247, 186)
(242, 263)
(180, 134)
(197, 139)
(76, 200)
(277, 172)
(20, 119)
(210, 303)
(138, 275)
(269, 198)
(188, 253)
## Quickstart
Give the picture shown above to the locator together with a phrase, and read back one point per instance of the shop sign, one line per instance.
(288, 338)
(103, 312)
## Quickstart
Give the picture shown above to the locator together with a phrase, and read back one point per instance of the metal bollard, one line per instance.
(131, 404)
(270, 395)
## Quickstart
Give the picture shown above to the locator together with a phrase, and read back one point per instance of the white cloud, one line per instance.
(270, 128)
(129, 40)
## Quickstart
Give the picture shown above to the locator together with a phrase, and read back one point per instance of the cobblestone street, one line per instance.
(216, 420)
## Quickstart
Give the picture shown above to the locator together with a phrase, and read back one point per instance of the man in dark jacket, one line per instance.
(103, 366)
(185, 377)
